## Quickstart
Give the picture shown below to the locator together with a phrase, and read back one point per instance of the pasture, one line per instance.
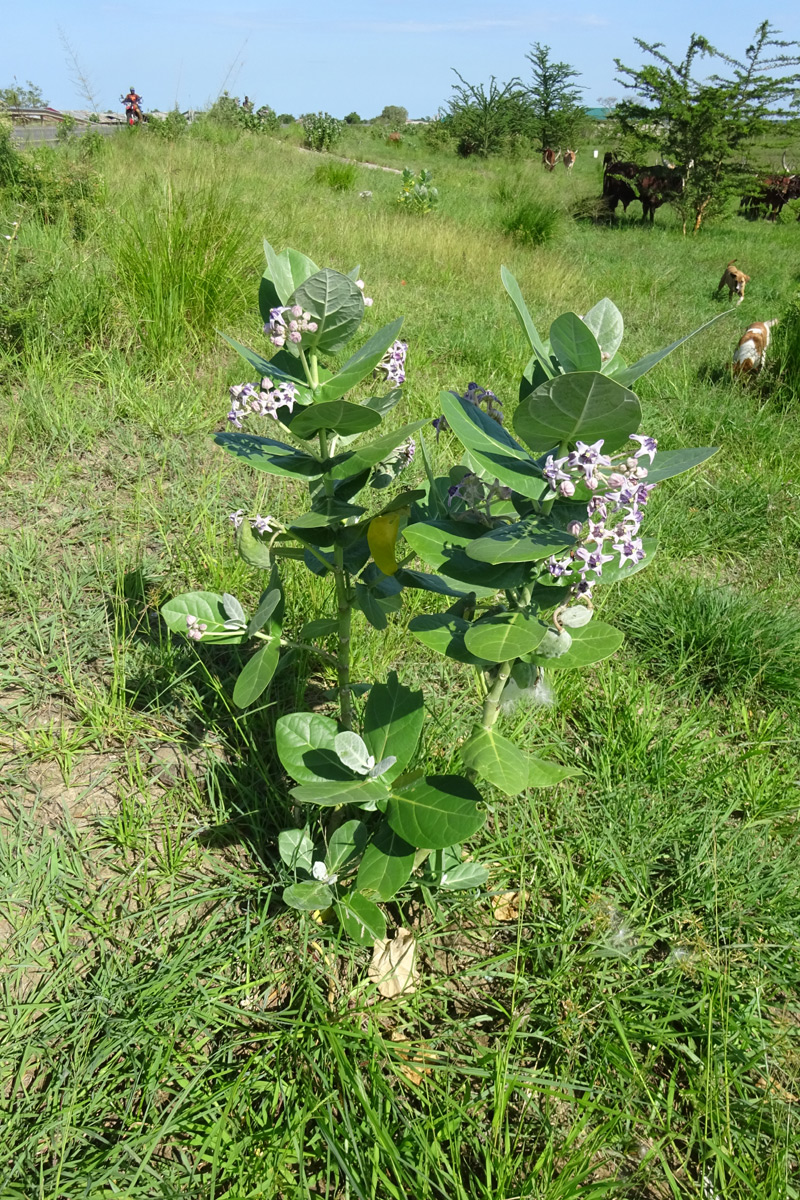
(618, 1012)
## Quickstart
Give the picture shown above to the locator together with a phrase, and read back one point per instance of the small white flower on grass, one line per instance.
(322, 875)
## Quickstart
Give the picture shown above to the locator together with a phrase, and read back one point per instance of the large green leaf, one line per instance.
(266, 607)
(668, 463)
(440, 585)
(497, 760)
(542, 773)
(431, 540)
(257, 673)
(649, 361)
(266, 454)
(583, 405)
(350, 791)
(361, 364)
(339, 415)
(209, 610)
(495, 453)
(287, 271)
(392, 724)
(254, 548)
(605, 322)
(387, 864)
(436, 811)
(361, 919)
(351, 462)
(504, 636)
(574, 344)
(523, 541)
(346, 841)
(308, 897)
(525, 320)
(444, 633)
(337, 306)
(296, 849)
(590, 644)
(305, 744)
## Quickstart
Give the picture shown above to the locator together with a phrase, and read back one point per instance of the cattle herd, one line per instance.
(655, 185)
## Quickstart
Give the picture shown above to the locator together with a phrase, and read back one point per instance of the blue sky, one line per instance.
(354, 55)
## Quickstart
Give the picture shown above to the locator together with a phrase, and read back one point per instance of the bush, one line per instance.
(321, 131)
(340, 177)
(170, 128)
(50, 183)
(352, 119)
(531, 222)
(416, 194)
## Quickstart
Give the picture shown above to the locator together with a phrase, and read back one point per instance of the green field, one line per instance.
(618, 1013)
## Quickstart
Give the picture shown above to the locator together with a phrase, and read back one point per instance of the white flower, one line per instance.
(320, 873)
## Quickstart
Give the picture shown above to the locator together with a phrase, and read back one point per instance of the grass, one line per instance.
(170, 1030)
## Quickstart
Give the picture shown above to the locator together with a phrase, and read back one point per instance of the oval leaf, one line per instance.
(361, 919)
(393, 720)
(305, 744)
(444, 633)
(209, 609)
(296, 849)
(581, 406)
(339, 415)
(337, 306)
(436, 811)
(257, 673)
(387, 864)
(308, 897)
(497, 760)
(574, 344)
(523, 541)
(346, 841)
(590, 644)
(605, 322)
(504, 637)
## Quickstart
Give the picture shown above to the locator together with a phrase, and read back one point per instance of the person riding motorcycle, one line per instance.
(132, 104)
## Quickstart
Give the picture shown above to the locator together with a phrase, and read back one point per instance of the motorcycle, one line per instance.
(133, 112)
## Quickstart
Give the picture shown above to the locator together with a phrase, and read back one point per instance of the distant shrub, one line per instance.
(438, 135)
(170, 128)
(352, 119)
(340, 177)
(321, 131)
(394, 114)
(530, 221)
(285, 119)
(417, 195)
(49, 183)
(227, 111)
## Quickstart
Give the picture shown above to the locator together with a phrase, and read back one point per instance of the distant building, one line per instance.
(598, 114)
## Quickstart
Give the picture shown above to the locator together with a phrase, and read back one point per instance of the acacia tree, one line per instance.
(554, 103)
(704, 124)
(481, 119)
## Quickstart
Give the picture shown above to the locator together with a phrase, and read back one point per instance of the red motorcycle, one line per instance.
(133, 113)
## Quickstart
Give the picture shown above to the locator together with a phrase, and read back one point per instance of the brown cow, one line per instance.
(616, 188)
(550, 158)
(654, 185)
(569, 159)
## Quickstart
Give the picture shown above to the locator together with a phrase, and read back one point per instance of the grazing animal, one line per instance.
(569, 159)
(750, 353)
(653, 186)
(773, 193)
(616, 186)
(550, 158)
(734, 280)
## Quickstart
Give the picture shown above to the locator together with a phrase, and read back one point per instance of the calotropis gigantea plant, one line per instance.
(517, 537)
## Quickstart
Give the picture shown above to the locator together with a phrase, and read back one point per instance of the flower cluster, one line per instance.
(264, 401)
(405, 454)
(289, 324)
(394, 363)
(194, 628)
(477, 496)
(477, 395)
(367, 301)
(258, 523)
(614, 517)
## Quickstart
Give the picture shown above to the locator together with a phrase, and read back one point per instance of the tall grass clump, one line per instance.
(530, 221)
(178, 259)
(787, 355)
(339, 177)
(725, 640)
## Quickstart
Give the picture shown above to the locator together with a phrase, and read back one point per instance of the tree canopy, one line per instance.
(554, 102)
(705, 122)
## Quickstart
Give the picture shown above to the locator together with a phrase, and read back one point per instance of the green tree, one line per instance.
(481, 120)
(555, 104)
(394, 114)
(352, 119)
(705, 124)
(19, 96)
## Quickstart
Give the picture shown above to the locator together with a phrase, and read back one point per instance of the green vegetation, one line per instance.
(616, 1012)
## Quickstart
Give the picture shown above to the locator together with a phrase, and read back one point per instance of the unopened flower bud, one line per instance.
(574, 528)
(567, 488)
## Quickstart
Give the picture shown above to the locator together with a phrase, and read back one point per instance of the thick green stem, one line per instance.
(491, 705)
(345, 611)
